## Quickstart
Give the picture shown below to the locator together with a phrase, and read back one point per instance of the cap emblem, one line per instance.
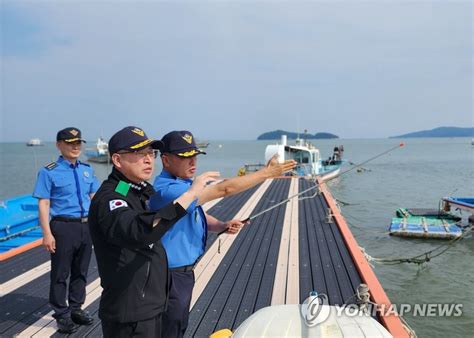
(74, 132)
(188, 138)
(138, 132)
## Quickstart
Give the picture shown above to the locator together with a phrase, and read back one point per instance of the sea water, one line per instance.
(417, 175)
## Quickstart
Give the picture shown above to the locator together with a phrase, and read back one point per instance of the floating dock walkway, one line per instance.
(281, 256)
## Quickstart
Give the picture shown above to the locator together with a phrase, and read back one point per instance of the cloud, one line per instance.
(338, 67)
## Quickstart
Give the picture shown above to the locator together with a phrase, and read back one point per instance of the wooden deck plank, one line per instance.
(212, 258)
(281, 274)
(331, 266)
(24, 306)
(273, 236)
(311, 258)
(24, 278)
(347, 277)
(46, 325)
(22, 263)
(231, 279)
(293, 285)
(226, 210)
(255, 280)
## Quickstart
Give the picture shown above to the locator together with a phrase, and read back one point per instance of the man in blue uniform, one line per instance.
(185, 242)
(64, 189)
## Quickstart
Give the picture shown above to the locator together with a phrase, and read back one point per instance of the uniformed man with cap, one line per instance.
(186, 241)
(64, 189)
(126, 235)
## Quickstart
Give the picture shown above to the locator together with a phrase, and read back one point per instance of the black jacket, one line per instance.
(132, 262)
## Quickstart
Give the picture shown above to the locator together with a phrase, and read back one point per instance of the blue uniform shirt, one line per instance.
(185, 242)
(67, 186)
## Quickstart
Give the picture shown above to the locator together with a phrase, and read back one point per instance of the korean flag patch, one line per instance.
(114, 204)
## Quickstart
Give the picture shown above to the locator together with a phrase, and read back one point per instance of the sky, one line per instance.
(233, 70)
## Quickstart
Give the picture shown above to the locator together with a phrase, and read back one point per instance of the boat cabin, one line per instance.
(304, 153)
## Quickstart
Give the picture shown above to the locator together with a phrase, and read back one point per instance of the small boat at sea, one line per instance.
(308, 157)
(34, 142)
(19, 222)
(450, 221)
(100, 154)
(202, 145)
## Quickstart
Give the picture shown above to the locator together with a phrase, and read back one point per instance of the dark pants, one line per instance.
(175, 319)
(72, 257)
(145, 328)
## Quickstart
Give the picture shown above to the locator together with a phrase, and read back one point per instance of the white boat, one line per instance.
(101, 152)
(308, 157)
(34, 142)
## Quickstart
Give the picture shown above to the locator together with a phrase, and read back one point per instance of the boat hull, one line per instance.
(19, 222)
(330, 171)
(97, 158)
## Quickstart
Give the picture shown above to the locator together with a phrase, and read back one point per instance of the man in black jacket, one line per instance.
(126, 236)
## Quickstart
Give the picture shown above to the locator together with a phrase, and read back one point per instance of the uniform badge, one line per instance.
(138, 132)
(122, 188)
(86, 173)
(188, 138)
(115, 204)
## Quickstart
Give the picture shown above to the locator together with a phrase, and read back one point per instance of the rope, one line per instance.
(362, 296)
(365, 230)
(418, 259)
(344, 204)
(407, 327)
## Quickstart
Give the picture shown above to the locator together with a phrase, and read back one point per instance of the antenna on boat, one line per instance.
(298, 126)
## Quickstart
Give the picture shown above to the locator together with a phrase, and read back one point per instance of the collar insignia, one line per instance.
(122, 188)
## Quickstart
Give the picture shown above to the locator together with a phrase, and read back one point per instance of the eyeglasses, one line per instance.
(153, 153)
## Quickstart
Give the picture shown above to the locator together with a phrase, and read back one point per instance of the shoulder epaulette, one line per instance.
(51, 165)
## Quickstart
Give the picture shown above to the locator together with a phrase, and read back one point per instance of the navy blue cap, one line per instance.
(131, 139)
(181, 143)
(69, 134)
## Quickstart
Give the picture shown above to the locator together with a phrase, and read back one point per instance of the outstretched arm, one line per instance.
(237, 184)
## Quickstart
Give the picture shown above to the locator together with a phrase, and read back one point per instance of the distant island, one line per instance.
(276, 135)
(440, 132)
